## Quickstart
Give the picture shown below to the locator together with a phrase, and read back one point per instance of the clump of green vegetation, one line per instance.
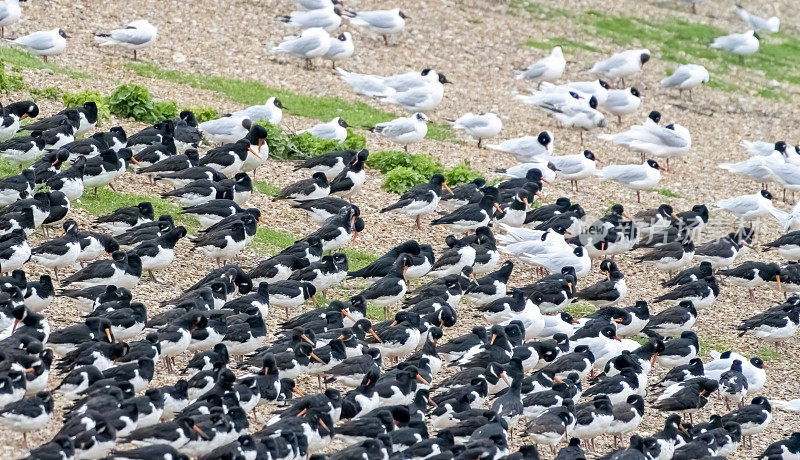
(203, 113)
(134, 101)
(9, 82)
(53, 93)
(770, 354)
(713, 343)
(665, 192)
(266, 188)
(404, 170)
(284, 146)
(402, 178)
(391, 159)
(461, 174)
(78, 98)
(579, 309)
(565, 43)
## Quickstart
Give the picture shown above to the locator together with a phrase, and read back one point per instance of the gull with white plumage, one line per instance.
(547, 69)
(404, 130)
(135, 36)
(479, 126)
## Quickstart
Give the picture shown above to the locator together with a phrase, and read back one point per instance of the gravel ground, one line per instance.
(442, 35)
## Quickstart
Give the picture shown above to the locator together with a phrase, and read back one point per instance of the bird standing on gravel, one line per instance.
(686, 77)
(382, 22)
(546, 69)
(404, 130)
(136, 35)
(313, 42)
(10, 12)
(636, 177)
(479, 126)
(623, 64)
(44, 43)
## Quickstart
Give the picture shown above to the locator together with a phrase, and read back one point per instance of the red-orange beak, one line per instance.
(494, 336)
(305, 337)
(347, 315)
(317, 358)
(250, 149)
(497, 207)
(447, 187)
(298, 392)
(374, 334)
(422, 380)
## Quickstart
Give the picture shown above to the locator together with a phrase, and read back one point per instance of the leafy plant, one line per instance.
(78, 98)
(461, 174)
(203, 113)
(52, 93)
(266, 188)
(134, 101)
(306, 145)
(9, 82)
(167, 109)
(665, 192)
(388, 160)
(277, 141)
(402, 178)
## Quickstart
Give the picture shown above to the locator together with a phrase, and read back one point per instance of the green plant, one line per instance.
(579, 310)
(134, 101)
(9, 82)
(277, 141)
(78, 98)
(167, 109)
(665, 192)
(266, 188)
(388, 160)
(203, 113)
(52, 93)
(402, 178)
(461, 174)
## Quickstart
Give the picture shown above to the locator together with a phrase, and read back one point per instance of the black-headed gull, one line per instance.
(637, 177)
(756, 168)
(479, 126)
(368, 85)
(10, 12)
(311, 43)
(597, 88)
(575, 167)
(226, 129)
(554, 261)
(341, 48)
(404, 130)
(328, 18)
(272, 111)
(136, 35)
(772, 24)
(762, 148)
(419, 98)
(622, 64)
(686, 77)
(335, 129)
(570, 109)
(622, 102)
(547, 169)
(748, 207)
(649, 138)
(382, 22)
(741, 44)
(43, 43)
(547, 69)
(527, 148)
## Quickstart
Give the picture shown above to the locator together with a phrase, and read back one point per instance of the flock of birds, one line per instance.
(392, 389)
